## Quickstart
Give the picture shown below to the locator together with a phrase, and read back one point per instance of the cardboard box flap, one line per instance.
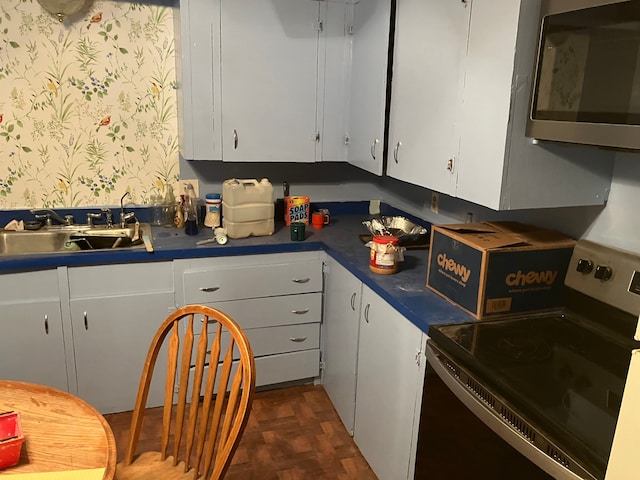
(480, 227)
(492, 241)
(512, 227)
(548, 237)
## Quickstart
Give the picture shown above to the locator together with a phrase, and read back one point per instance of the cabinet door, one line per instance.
(269, 79)
(390, 376)
(429, 51)
(340, 334)
(368, 93)
(197, 24)
(32, 345)
(499, 167)
(487, 106)
(111, 339)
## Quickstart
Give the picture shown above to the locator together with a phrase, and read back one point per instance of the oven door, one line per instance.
(536, 456)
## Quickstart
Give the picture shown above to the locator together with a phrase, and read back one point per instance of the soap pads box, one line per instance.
(493, 269)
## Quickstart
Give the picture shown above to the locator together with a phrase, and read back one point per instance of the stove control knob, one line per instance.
(584, 266)
(603, 272)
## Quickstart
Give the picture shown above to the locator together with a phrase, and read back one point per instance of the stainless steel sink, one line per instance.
(70, 239)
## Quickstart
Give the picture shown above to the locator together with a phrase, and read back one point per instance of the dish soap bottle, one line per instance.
(190, 211)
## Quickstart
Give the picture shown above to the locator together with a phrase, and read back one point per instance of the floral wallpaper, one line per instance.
(87, 106)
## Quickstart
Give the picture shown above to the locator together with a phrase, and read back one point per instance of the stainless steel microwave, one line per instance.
(586, 86)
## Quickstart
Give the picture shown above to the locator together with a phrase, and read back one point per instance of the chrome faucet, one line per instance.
(47, 214)
(108, 216)
(124, 216)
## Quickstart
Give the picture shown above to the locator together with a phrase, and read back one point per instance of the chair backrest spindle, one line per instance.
(208, 392)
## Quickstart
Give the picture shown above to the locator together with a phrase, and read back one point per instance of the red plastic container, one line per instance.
(11, 439)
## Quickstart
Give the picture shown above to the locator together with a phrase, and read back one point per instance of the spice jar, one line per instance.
(383, 258)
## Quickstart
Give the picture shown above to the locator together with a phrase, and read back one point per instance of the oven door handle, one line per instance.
(495, 423)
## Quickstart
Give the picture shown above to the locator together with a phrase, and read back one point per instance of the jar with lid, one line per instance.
(156, 214)
(212, 216)
(383, 258)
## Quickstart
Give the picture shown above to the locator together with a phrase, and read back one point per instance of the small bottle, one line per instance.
(190, 211)
(169, 208)
(178, 220)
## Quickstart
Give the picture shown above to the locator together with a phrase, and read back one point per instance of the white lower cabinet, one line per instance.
(115, 312)
(275, 298)
(341, 324)
(374, 372)
(389, 388)
(32, 347)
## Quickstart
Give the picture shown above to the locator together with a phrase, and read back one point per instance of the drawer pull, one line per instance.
(209, 289)
(46, 324)
(298, 339)
(300, 312)
(301, 280)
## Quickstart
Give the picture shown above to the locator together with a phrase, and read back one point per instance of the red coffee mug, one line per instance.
(319, 219)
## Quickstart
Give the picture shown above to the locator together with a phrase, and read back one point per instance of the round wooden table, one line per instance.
(62, 432)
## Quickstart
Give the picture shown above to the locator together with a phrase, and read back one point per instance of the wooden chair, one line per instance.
(203, 434)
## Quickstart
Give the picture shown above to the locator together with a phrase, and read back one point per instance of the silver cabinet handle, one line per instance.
(395, 151)
(353, 301)
(450, 164)
(373, 148)
(86, 322)
(301, 280)
(300, 312)
(209, 289)
(235, 139)
(46, 324)
(366, 313)
(298, 339)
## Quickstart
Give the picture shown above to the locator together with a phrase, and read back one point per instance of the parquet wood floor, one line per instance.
(293, 433)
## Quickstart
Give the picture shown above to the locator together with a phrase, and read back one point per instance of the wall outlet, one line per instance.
(185, 182)
(435, 200)
(374, 207)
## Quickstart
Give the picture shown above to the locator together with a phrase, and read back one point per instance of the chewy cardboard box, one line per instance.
(498, 268)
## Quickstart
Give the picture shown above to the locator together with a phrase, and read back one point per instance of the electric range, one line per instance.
(551, 384)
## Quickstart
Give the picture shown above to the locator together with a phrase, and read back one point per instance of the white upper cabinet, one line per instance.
(262, 80)
(429, 51)
(459, 104)
(498, 166)
(197, 26)
(248, 75)
(269, 64)
(369, 28)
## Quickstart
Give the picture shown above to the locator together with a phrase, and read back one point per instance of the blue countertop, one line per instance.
(404, 290)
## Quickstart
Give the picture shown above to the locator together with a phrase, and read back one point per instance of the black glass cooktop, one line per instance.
(563, 372)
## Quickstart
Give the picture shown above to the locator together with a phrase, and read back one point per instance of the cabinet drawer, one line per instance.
(120, 279)
(214, 285)
(271, 341)
(42, 285)
(286, 367)
(271, 311)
